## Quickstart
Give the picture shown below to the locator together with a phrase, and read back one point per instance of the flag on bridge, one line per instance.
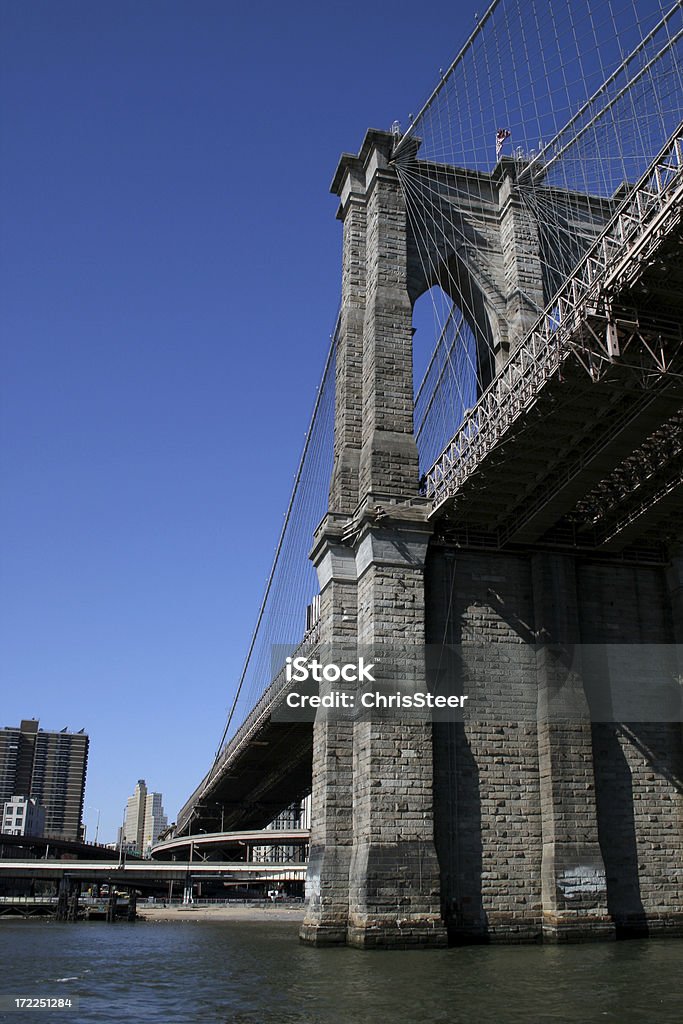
(501, 135)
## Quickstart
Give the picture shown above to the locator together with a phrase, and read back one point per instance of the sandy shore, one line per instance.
(230, 912)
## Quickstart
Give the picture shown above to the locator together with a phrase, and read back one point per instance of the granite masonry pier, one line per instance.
(517, 823)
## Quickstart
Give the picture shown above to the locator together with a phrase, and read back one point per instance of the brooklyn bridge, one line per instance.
(514, 509)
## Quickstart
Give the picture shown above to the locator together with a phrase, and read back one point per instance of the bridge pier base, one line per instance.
(329, 858)
(395, 896)
(573, 877)
(326, 920)
(394, 884)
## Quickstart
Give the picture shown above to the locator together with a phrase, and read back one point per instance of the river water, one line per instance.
(254, 973)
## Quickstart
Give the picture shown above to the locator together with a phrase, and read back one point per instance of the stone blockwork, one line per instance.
(394, 881)
(374, 875)
(487, 784)
(563, 831)
(638, 765)
(349, 363)
(332, 806)
(573, 883)
(332, 797)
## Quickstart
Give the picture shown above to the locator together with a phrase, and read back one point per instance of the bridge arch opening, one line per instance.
(447, 373)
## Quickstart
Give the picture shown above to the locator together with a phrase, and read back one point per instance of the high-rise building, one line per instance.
(144, 820)
(48, 767)
(155, 821)
(134, 821)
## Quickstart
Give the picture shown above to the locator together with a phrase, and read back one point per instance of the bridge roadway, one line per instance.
(264, 767)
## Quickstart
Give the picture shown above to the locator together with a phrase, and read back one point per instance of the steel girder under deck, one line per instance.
(576, 431)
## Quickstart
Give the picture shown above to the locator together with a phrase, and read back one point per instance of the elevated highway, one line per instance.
(211, 845)
(150, 872)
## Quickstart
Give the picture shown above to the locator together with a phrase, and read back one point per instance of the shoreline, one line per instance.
(240, 912)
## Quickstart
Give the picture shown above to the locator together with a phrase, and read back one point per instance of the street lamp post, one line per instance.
(123, 828)
(97, 823)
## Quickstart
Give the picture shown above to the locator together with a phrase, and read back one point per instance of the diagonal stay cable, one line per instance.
(278, 549)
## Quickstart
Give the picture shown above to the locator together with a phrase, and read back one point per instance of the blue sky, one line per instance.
(169, 278)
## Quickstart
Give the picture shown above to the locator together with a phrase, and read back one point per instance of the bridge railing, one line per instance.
(652, 208)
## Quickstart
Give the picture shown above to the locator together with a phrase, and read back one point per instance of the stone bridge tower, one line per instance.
(421, 830)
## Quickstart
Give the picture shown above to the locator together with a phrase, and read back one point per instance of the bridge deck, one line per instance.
(265, 767)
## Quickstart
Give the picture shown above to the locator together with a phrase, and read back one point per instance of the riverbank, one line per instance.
(223, 912)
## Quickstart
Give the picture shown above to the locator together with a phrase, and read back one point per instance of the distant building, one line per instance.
(23, 816)
(144, 820)
(48, 767)
(123, 845)
(297, 815)
(134, 821)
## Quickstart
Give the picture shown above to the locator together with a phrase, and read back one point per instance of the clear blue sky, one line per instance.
(169, 278)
